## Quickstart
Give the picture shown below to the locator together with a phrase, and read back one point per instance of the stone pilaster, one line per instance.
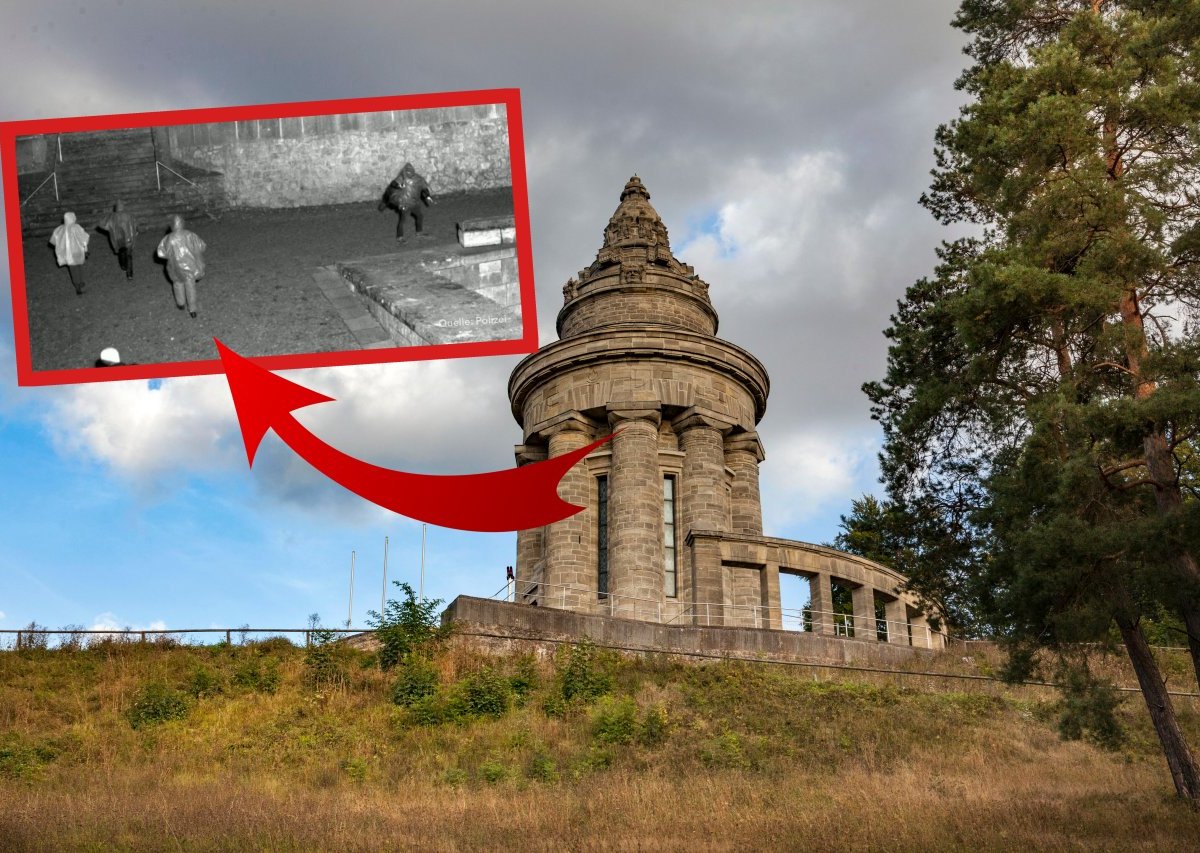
(772, 615)
(863, 598)
(821, 589)
(635, 497)
(744, 590)
(743, 453)
(922, 637)
(704, 555)
(703, 500)
(896, 612)
(570, 550)
(531, 544)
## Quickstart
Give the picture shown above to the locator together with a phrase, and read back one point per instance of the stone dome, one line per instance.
(635, 277)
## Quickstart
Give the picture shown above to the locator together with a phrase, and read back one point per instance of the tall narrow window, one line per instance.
(602, 537)
(669, 564)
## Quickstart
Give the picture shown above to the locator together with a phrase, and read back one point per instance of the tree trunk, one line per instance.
(1160, 467)
(1185, 773)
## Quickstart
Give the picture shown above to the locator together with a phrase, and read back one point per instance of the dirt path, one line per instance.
(258, 295)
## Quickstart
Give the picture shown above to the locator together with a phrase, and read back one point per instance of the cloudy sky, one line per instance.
(784, 144)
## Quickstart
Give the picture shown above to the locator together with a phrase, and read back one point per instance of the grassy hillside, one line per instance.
(131, 746)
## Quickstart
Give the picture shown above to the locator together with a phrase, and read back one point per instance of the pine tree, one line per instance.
(929, 544)
(1047, 378)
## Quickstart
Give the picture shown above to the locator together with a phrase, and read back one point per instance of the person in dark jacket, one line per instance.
(121, 230)
(184, 253)
(407, 194)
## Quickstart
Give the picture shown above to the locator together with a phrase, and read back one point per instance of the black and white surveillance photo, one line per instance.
(280, 236)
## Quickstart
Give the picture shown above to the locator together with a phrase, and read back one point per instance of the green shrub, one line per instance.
(356, 769)
(24, 761)
(202, 683)
(654, 726)
(1088, 710)
(156, 703)
(273, 646)
(454, 776)
(493, 772)
(615, 720)
(325, 660)
(429, 710)
(406, 627)
(416, 678)
(524, 679)
(582, 678)
(597, 758)
(258, 675)
(724, 750)
(542, 768)
(485, 693)
(33, 640)
(554, 706)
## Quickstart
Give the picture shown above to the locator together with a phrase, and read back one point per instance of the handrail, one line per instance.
(843, 624)
(52, 176)
(126, 633)
(158, 175)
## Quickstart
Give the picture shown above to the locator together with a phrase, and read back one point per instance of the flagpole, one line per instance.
(383, 594)
(350, 612)
(421, 587)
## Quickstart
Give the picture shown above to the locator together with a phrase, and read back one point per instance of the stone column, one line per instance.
(531, 544)
(570, 565)
(863, 599)
(743, 452)
(635, 509)
(773, 616)
(897, 618)
(703, 505)
(922, 637)
(821, 589)
(704, 555)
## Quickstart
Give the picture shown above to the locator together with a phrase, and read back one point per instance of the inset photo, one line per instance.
(301, 235)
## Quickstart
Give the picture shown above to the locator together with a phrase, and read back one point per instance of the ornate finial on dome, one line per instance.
(635, 222)
(636, 276)
(635, 187)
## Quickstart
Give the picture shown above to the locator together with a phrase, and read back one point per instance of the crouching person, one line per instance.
(408, 194)
(70, 244)
(184, 254)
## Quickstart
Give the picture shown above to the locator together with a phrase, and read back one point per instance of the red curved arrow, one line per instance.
(515, 499)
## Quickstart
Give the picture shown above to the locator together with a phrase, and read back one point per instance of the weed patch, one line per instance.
(156, 703)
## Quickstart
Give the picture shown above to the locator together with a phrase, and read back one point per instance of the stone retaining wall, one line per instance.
(356, 165)
(515, 626)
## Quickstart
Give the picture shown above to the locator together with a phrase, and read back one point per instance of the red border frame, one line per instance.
(511, 98)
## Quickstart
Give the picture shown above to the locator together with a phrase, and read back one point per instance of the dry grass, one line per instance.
(753, 757)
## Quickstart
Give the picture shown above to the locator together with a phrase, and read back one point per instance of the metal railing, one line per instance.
(558, 595)
(159, 165)
(570, 596)
(76, 636)
(53, 176)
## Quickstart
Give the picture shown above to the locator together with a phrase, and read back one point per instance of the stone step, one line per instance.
(150, 214)
(108, 147)
(487, 231)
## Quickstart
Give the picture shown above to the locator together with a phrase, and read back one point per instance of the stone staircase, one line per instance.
(97, 168)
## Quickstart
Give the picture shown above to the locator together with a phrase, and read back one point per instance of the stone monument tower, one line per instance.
(673, 526)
